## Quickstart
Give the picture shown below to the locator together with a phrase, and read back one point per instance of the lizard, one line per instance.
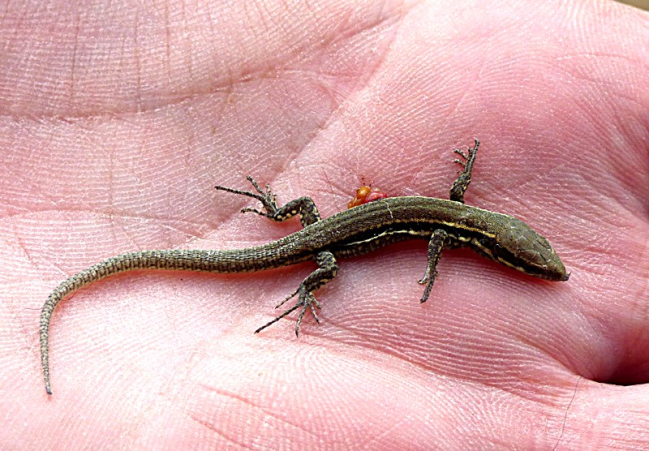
(444, 223)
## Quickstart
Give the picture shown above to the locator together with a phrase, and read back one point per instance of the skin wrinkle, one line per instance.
(251, 73)
(565, 418)
(167, 27)
(258, 407)
(75, 50)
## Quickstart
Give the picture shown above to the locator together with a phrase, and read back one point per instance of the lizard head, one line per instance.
(520, 247)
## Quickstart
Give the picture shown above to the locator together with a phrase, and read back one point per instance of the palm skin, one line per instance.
(119, 120)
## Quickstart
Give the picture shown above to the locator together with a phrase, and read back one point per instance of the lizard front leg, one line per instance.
(435, 247)
(462, 182)
(440, 237)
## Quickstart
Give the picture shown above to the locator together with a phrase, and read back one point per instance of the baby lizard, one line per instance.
(444, 223)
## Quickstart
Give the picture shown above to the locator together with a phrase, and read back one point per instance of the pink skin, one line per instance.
(364, 195)
(118, 121)
(374, 195)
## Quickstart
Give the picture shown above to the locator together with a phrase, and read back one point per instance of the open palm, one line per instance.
(120, 118)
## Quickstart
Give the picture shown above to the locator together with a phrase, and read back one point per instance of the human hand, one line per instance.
(119, 120)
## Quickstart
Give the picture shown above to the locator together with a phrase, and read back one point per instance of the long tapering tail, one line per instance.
(272, 255)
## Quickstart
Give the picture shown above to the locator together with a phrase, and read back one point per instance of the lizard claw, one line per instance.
(306, 301)
(266, 197)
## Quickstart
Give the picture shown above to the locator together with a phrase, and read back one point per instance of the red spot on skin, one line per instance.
(365, 194)
(375, 195)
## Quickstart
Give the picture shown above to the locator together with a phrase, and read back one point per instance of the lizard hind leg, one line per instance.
(327, 269)
(302, 206)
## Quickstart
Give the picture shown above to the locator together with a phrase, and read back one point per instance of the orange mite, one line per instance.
(366, 194)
